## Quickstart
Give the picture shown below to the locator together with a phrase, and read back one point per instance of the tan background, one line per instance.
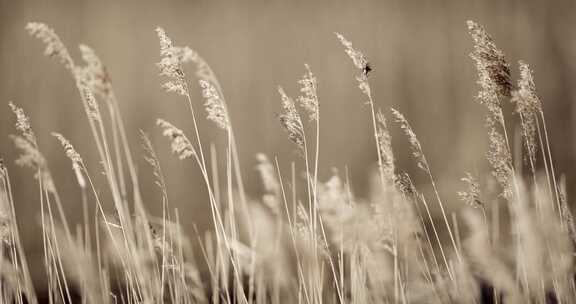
(418, 49)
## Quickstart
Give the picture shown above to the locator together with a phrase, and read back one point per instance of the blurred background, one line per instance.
(418, 51)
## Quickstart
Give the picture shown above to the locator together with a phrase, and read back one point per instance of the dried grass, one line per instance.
(323, 245)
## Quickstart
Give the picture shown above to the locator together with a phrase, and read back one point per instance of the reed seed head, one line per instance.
(23, 123)
(94, 72)
(492, 67)
(170, 64)
(527, 105)
(54, 46)
(215, 106)
(31, 157)
(500, 159)
(92, 107)
(74, 156)
(291, 121)
(309, 98)
(472, 195)
(359, 60)
(385, 147)
(361, 63)
(180, 144)
(414, 142)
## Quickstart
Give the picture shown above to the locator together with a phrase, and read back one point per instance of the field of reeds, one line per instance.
(303, 239)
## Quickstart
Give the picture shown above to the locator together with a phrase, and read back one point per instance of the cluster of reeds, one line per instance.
(320, 244)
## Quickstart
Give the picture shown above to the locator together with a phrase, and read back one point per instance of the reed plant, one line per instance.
(319, 244)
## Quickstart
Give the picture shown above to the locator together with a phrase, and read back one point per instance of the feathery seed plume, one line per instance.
(527, 105)
(26, 141)
(151, 158)
(500, 159)
(170, 64)
(23, 123)
(291, 121)
(492, 67)
(203, 70)
(357, 57)
(360, 62)
(92, 108)
(385, 147)
(31, 157)
(73, 156)
(94, 72)
(405, 185)
(214, 105)
(309, 99)
(180, 144)
(494, 80)
(472, 195)
(414, 142)
(54, 46)
(527, 88)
